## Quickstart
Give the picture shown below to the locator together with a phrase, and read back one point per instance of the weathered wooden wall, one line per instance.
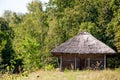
(81, 62)
(68, 62)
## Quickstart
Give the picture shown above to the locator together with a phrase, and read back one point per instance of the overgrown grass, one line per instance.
(67, 75)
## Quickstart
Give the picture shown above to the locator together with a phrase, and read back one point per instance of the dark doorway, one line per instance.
(83, 64)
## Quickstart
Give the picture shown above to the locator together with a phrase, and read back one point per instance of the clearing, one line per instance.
(67, 75)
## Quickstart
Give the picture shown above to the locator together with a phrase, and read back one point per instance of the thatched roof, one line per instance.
(83, 43)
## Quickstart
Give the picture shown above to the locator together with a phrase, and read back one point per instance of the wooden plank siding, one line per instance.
(73, 62)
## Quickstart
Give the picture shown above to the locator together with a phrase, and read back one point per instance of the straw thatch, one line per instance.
(83, 43)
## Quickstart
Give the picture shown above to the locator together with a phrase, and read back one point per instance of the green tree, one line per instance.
(89, 27)
(6, 36)
(30, 32)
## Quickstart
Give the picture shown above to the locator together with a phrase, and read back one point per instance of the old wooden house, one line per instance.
(83, 51)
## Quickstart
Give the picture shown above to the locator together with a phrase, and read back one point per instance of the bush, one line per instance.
(49, 67)
(114, 62)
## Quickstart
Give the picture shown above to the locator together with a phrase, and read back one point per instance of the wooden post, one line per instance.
(75, 62)
(61, 62)
(104, 61)
(88, 62)
(58, 62)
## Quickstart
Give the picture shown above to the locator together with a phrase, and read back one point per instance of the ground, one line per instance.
(66, 75)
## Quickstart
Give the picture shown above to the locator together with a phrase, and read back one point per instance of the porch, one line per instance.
(82, 62)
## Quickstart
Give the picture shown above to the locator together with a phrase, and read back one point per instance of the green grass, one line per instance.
(67, 75)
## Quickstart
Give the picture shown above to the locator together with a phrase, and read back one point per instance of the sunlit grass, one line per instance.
(67, 75)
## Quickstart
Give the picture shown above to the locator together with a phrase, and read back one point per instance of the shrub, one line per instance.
(114, 62)
(49, 67)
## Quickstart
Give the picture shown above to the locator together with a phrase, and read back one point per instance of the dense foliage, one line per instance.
(27, 39)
